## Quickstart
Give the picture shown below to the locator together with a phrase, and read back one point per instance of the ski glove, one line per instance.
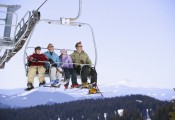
(54, 65)
(82, 62)
(51, 61)
(33, 60)
(29, 63)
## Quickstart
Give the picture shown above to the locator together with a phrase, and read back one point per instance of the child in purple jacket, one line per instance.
(66, 64)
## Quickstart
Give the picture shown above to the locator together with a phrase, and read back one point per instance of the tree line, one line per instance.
(135, 107)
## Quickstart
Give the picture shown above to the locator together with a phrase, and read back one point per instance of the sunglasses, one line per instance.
(79, 46)
(51, 46)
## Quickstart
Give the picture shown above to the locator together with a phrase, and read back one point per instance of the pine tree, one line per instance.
(172, 113)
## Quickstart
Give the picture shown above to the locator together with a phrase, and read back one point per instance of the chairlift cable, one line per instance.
(41, 5)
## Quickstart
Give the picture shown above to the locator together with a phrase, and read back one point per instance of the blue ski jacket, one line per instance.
(52, 56)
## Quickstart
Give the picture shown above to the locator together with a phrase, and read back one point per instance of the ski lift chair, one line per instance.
(65, 22)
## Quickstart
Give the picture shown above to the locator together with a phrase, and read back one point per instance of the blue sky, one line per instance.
(135, 39)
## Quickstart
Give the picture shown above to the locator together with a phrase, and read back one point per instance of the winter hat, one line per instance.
(63, 51)
(37, 48)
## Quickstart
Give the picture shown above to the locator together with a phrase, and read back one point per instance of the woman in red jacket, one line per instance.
(35, 66)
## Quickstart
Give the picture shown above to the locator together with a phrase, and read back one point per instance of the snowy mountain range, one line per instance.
(47, 95)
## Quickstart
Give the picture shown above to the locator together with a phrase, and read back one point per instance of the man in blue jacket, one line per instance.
(55, 70)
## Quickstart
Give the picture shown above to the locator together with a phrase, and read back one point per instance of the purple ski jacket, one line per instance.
(64, 60)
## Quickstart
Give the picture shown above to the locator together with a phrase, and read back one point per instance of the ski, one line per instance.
(99, 91)
(27, 92)
(81, 88)
(94, 93)
(57, 85)
(26, 89)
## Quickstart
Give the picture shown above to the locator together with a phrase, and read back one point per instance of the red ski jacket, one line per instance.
(34, 58)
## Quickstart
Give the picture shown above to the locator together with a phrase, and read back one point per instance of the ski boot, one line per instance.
(65, 86)
(75, 86)
(85, 85)
(42, 83)
(29, 87)
(92, 90)
(55, 83)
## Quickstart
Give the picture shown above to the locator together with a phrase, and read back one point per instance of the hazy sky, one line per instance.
(135, 39)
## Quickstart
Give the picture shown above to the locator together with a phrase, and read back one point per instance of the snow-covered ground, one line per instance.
(46, 95)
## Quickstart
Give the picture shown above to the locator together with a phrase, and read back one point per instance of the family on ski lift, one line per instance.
(78, 63)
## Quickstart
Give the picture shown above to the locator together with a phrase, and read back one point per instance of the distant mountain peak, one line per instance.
(127, 82)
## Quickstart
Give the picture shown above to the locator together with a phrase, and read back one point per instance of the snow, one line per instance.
(115, 91)
(27, 92)
(148, 118)
(24, 98)
(139, 101)
(154, 94)
(11, 91)
(13, 97)
(45, 95)
(173, 97)
(128, 83)
(120, 112)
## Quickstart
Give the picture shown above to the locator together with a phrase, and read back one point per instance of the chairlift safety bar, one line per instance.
(54, 48)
